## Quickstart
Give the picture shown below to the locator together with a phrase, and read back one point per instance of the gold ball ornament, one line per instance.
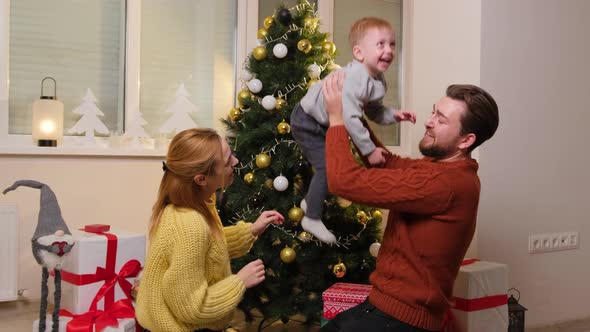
(295, 214)
(262, 33)
(298, 182)
(263, 160)
(283, 128)
(312, 82)
(281, 103)
(249, 178)
(310, 22)
(235, 114)
(244, 96)
(268, 183)
(304, 236)
(343, 202)
(288, 255)
(362, 217)
(259, 53)
(339, 270)
(377, 215)
(329, 48)
(304, 46)
(332, 66)
(268, 22)
(312, 296)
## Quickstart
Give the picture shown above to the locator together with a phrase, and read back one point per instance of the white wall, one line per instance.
(534, 172)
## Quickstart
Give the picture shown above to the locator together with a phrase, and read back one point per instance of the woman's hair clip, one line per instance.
(164, 166)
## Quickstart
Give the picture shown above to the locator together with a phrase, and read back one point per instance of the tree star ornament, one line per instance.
(280, 50)
(288, 255)
(280, 183)
(263, 160)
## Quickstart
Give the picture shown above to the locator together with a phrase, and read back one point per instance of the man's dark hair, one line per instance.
(481, 117)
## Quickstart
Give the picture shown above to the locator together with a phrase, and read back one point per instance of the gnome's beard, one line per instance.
(50, 259)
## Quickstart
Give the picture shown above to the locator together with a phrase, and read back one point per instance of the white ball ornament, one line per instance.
(269, 102)
(246, 75)
(374, 249)
(314, 71)
(279, 50)
(255, 85)
(280, 183)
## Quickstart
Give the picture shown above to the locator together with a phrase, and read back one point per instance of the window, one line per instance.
(135, 56)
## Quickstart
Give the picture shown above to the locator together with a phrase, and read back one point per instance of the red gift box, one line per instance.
(343, 296)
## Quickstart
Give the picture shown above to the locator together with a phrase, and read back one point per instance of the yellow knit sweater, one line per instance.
(187, 283)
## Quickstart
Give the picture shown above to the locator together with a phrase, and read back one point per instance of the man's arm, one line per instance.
(406, 190)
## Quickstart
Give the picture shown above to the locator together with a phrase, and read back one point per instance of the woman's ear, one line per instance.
(200, 180)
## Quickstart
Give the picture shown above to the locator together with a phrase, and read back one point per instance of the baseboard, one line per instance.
(575, 325)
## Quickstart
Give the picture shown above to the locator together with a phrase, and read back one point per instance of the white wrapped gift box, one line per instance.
(480, 297)
(99, 261)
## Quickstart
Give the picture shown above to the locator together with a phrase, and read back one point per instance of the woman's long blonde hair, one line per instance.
(191, 152)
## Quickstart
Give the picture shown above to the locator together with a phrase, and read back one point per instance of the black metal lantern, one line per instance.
(515, 313)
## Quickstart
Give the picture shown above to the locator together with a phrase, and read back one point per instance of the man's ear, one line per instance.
(357, 53)
(200, 180)
(467, 141)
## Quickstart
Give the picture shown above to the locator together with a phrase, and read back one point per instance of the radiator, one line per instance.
(8, 252)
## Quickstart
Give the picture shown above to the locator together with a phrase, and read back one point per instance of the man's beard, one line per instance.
(434, 151)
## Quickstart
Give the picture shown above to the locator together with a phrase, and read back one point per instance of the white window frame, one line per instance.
(246, 28)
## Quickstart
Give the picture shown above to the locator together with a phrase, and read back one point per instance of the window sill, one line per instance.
(73, 146)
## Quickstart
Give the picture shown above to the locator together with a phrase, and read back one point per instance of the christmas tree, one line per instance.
(273, 175)
(89, 122)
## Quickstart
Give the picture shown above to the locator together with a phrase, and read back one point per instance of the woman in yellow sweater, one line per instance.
(187, 284)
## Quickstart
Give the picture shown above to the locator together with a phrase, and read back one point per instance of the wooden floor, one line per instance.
(19, 316)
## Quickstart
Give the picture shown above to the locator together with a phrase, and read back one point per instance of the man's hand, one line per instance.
(377, 157)
(402, 115)
(332, 91)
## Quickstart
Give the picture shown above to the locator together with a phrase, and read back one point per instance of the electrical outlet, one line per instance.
(547, 242)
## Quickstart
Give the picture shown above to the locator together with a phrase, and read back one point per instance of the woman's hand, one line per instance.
(252, 273)
(265, 219)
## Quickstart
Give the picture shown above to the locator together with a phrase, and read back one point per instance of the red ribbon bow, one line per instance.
(99, 318)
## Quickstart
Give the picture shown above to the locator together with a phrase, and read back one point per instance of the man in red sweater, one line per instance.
(433, 208)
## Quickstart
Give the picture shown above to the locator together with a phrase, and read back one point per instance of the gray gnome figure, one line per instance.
(51, 241)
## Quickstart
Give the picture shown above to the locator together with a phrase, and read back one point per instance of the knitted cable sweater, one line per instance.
(187, 283)
(433, 209)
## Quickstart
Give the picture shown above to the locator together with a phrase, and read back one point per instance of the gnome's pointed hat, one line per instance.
(50, 219)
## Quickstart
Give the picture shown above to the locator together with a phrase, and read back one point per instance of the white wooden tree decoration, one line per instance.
(180, 109)
(135, 129)
(89, 122)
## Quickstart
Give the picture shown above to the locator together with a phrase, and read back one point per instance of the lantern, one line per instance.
(515, 313)
(48, 118)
